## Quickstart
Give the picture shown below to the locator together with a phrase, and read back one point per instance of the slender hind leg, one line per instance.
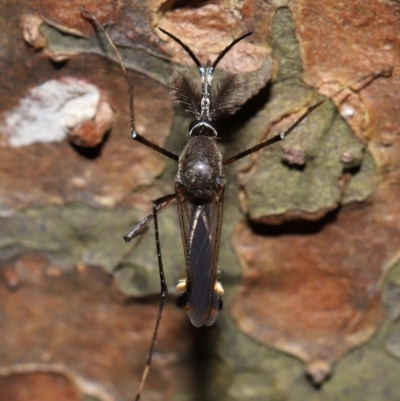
(163, 292)
(140, 227)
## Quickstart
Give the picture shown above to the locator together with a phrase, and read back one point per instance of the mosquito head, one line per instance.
(201, 106)
(203, 127)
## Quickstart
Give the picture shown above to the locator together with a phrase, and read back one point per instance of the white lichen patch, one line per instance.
(348, 112)
(49, 110)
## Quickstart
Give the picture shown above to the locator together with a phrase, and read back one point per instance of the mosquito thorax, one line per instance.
(200, 176)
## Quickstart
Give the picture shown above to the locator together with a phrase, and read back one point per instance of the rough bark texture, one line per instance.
(310, 243)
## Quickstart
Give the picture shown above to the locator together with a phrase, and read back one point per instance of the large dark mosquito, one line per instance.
(199, 182)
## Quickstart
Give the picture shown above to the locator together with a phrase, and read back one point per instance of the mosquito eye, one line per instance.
(203, 127)
(193, 125)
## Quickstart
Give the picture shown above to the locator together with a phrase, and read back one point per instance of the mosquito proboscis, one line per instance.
(200, 181)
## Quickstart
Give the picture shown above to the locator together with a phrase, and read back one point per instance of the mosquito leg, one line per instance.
(161, 202)
(138, 229)
(135, 135)
(366, 79)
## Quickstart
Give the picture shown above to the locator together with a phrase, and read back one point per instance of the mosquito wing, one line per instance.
(201, 234)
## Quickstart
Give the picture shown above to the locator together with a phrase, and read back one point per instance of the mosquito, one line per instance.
(200, 181)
